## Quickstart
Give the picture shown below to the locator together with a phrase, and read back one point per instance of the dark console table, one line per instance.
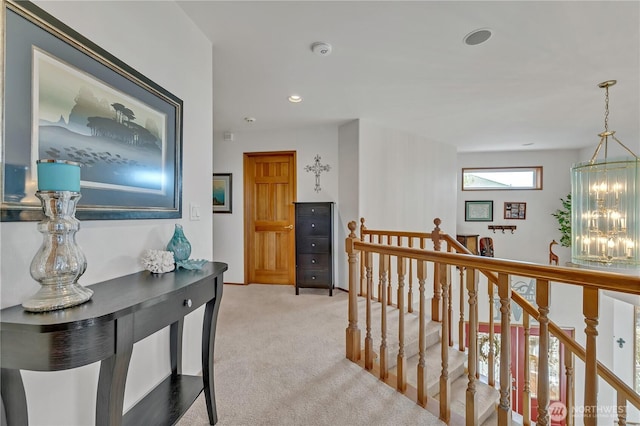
(121, 312)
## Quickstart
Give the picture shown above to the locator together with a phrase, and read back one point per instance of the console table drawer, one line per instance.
(172, 309)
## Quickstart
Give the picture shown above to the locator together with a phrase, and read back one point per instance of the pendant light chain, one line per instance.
(606, 109)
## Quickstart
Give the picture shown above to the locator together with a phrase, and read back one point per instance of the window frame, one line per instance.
(537, 178)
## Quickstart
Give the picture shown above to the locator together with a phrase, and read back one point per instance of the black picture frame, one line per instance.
(131, 169)
(221, 193)
(478, 211)
(515, 210)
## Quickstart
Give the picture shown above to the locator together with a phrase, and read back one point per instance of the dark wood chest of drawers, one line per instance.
(314, 246)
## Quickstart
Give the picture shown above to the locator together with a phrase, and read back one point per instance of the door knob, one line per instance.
(288, 227)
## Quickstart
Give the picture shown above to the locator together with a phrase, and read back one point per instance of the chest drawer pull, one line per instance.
(313, 244)
(188, 303)
(313, 261)
(313, 225)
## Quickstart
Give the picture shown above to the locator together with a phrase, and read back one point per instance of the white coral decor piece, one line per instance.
(158, 261)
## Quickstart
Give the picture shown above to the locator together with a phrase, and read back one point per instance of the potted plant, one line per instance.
(564, 220)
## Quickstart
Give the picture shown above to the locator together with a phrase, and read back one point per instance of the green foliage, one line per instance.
(564, 220)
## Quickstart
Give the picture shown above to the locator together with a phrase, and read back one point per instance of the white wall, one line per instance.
(180, 61)
(228, 244)
(405, 181)
(349, 195)
(530, 241)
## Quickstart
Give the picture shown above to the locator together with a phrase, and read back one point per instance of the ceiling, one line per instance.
(404, 65)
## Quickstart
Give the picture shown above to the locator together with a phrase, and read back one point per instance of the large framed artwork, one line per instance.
(65, 98)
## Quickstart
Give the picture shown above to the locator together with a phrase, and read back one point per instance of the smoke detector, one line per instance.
(321, 49)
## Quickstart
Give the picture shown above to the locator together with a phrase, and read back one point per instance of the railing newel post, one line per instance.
(504, 291)
(590, 307)
(542, 394)
(471, 397)
(352, 332)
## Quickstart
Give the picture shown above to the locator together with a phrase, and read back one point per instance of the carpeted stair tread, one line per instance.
(433, 366)
(411, 330)
(486, 398)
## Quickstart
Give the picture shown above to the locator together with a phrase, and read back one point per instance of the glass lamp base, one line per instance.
(52, 297)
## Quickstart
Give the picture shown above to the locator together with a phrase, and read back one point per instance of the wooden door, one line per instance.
(269, 193)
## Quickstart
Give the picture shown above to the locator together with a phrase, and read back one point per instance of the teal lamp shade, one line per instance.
(58, 175)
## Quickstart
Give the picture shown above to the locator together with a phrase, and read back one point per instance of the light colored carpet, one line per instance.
(280, 360)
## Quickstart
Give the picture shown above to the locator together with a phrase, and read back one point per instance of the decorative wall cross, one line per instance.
(317, 168)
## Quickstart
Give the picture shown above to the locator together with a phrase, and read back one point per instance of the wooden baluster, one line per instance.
(492, 352)
(379, 283)
(526, 392)
(590, 305)
(352, 332)
(471, 406)
(401, 366)
(422, 344)
(461, 337)
(622, 410)
(504, 291)
(542, 394)
(410, 292)
(570, 391)
(389, 288)
(445, 383)
(368, 341)
(384, 351)
(437, 289)
(362, 273)
(447, 275)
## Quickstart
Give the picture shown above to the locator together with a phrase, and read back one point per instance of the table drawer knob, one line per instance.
(313, 277)
(188, 303)
(313, 244)
(313, 261)
(313, 225)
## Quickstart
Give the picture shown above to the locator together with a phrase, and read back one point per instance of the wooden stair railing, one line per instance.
(389, 244)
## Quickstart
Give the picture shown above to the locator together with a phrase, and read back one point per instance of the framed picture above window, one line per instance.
(221, 192)
(478, 211)
(515, 210)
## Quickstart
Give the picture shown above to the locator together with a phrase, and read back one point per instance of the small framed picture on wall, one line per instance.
(221, 193)
(478, 211)
(515, 210)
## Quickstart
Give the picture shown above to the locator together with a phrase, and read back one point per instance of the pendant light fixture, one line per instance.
(605, 212)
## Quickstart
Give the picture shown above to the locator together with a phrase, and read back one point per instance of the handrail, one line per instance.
(578, 350)
(611, 281)
(590, 280)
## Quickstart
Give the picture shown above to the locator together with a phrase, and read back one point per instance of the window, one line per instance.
(501, 178)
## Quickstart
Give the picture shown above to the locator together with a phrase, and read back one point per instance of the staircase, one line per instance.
(487, 395)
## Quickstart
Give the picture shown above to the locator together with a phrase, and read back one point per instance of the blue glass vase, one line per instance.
(179, 245)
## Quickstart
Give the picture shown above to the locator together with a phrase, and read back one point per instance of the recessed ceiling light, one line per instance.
(476, 37)
(295, 99)
(250, 119)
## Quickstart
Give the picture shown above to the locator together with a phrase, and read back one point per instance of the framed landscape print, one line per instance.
(67, 99)
(478, 211)
(221, 193)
